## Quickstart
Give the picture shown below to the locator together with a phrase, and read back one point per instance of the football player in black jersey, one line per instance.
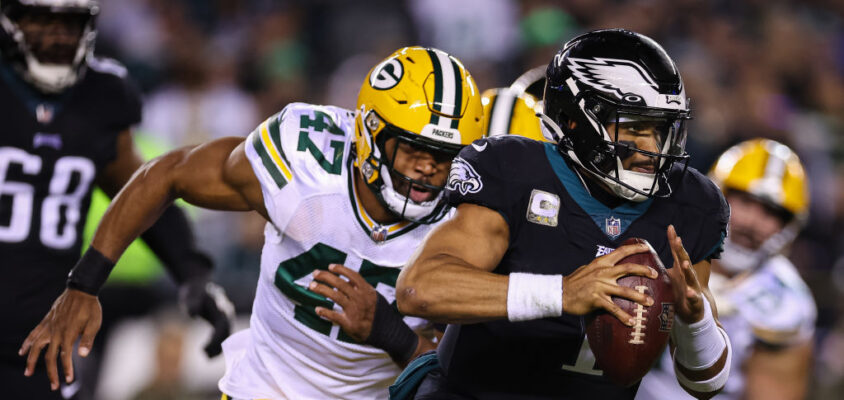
(66, 118)
(536, 239)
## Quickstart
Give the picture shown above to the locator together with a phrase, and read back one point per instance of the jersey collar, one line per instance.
(377, 232)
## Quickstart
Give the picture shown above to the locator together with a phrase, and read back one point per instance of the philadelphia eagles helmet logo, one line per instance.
(463, 178)
(622, 78)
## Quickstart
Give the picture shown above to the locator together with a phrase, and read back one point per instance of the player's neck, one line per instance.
(370, 202)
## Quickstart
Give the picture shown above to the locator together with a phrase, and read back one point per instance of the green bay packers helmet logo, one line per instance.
(387, 74)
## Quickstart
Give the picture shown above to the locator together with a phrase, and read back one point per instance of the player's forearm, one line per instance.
(442, 288)
(138, 205)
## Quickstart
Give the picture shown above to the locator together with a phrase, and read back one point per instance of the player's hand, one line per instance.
(356, 296)
(203, 298)
(591, 286)
(73, 314)
(688, 293)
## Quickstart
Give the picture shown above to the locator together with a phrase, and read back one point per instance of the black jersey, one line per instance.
(556, 227)
(51, 150)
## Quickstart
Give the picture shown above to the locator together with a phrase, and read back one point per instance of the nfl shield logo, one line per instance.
(613, 226)
(379, 234)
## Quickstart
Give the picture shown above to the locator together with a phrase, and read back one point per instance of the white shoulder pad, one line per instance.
(298, 152)
(107, 66)
(777, 303)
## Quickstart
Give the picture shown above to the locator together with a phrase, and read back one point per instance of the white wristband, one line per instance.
(700, 344)
(712, 384)
(531, 296)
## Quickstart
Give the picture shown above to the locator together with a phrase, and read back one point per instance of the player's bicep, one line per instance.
(477, 236)
(216, 175)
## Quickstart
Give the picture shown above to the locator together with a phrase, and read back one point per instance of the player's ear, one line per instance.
(572, 124)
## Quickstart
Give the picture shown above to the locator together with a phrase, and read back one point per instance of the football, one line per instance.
(626, 353)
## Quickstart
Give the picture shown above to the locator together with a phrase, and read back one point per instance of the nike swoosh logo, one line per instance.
(480, 148)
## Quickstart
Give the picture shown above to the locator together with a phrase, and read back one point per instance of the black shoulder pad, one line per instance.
(704, 209)
(487, 172)
(119, 96)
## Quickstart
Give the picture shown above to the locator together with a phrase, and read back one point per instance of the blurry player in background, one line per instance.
(763, 303)
(538, 232)
(512, 110)
(66, 117)
(348, 197)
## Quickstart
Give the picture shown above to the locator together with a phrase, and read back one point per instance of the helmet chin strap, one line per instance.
(737, 258)
(641, 180)
(402, 205)
(49, 77)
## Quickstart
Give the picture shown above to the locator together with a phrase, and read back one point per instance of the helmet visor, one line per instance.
(655, 133)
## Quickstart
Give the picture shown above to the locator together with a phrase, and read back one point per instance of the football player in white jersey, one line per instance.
(348, 196)
(764, 305)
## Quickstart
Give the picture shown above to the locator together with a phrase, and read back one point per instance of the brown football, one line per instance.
(626, 353)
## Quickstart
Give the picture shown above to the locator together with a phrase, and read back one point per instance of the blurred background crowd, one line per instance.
(213, 68)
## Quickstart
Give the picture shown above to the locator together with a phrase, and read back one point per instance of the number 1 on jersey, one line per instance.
(585, 363)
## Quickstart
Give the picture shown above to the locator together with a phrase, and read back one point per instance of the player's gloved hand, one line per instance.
(73, 314)
(688, 293)
(203, 298)
(591, 286)
(357, 297)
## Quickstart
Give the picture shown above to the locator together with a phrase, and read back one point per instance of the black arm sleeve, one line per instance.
(171, 239)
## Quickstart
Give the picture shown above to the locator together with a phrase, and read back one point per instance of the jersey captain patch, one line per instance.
(543, 208)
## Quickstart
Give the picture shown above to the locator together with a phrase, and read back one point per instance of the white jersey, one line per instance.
(771, 305)
(302, 157)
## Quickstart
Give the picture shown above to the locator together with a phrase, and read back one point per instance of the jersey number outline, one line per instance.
(319, 257)
(585, 362)
(53, 233)
(321, 122)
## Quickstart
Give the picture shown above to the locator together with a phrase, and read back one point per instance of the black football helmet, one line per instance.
(606, 77)
(50, 65)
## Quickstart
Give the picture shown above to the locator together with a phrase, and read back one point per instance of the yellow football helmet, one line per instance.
(507, 112)
(766, 169)
(772, 173)
(423, 96)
